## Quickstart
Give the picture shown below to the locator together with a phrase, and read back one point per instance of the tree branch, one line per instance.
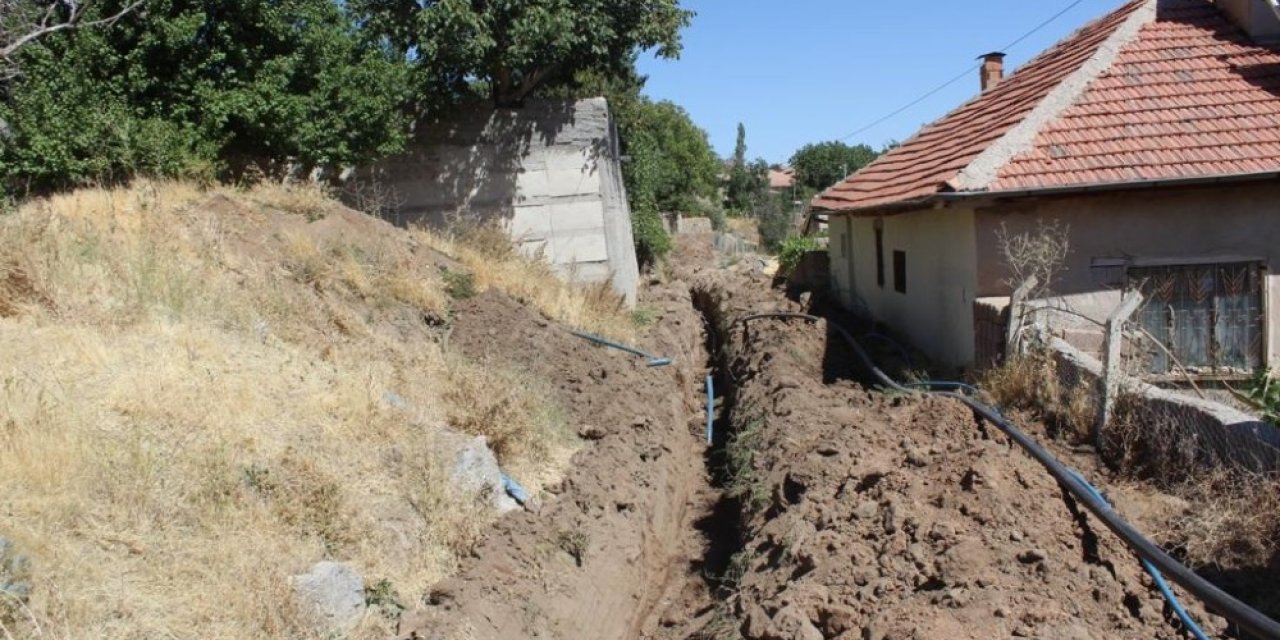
(73, 22)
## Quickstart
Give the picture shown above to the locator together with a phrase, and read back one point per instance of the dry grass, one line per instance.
(1233, 521)
(488, 257)
(193, 395)
(1031, 382)
(746, 228)
(1232, 518)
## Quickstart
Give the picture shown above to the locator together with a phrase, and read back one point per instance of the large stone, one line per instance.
(475, 471)
(333, 594)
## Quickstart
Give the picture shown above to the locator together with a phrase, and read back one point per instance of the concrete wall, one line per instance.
(550, 173)
(936, 312)
(1224, 223)
(1177, 431)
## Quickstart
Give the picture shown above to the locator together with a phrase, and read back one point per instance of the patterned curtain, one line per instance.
(1209, 316)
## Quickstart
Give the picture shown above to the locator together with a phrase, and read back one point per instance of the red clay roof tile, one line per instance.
(1189, 96)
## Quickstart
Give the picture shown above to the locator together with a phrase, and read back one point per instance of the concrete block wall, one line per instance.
(550, 173)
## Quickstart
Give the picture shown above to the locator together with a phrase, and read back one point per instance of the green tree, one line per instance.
(670, 165)
(746, 180)
(514, 47)
(819, 166)
(197, 84)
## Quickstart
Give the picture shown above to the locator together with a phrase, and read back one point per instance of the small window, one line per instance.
(900, 271)
(880, 257)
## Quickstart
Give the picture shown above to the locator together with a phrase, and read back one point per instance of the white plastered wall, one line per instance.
(936, 312)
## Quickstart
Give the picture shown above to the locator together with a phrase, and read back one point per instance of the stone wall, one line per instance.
(550, 173)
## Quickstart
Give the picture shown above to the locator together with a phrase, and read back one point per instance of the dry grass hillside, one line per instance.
(194, 405)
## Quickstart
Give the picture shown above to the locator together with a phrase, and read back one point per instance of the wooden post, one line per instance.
(1017, 314)
(1111, 373)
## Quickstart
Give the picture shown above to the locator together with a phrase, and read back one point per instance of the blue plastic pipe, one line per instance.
(1158, 577)
(514, 489)
(934, 385)
(711, 408)
(653, 361)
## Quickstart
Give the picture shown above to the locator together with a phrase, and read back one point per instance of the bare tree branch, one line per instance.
(14, 37)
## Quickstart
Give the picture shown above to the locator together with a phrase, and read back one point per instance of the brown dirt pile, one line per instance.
(878, 517)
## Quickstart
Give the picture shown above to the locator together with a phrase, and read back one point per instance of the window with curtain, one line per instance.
(1209, 316)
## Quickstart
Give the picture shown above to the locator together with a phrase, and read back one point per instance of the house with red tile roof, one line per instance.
(783, 179)
(1151, 134)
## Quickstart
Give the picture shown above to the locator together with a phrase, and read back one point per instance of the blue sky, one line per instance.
(814, 70)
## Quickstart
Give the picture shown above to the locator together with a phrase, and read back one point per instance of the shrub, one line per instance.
(774, 214)
(793, 251)
(1264, 390)
(651, 239)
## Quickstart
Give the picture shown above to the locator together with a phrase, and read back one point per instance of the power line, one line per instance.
(966, 73)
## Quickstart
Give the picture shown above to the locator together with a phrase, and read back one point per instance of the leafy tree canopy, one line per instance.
(819, 166)
(514, 47)
(190, 84)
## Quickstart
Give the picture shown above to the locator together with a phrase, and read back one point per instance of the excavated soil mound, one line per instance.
(877, 517)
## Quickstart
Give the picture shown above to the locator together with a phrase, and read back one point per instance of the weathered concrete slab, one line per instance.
(550, 173)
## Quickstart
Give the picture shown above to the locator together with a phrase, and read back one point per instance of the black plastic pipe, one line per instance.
(1221, 602)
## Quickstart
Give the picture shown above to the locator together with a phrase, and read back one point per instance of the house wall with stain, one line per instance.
(1111, 233)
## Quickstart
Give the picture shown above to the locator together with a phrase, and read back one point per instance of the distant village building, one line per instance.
(782, 180)
(1152, 134)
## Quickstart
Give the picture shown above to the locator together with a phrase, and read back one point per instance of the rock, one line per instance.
(15, 576)
(756, 623)
(837, 619)
(591, 432)
(791, 623)
(475, 470)
(866, 510)
(917, 457)
(1031, 556)
(333, 594)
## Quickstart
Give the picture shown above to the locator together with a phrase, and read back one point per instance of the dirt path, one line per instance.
(825, 510)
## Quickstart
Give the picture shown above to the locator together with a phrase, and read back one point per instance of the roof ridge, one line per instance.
(984, 169)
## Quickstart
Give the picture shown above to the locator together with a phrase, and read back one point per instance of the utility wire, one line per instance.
(966, 73)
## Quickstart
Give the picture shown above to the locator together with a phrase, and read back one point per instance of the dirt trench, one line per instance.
(594, 560)
(824, 509)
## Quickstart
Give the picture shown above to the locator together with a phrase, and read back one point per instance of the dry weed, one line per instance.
(1031, 382)
(194, 410)
(594, 308)
(1233, 521)
(308, 199)
(505, 406)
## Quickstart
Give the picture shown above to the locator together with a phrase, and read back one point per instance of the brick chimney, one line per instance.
(1256, 17)
(992, 69)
